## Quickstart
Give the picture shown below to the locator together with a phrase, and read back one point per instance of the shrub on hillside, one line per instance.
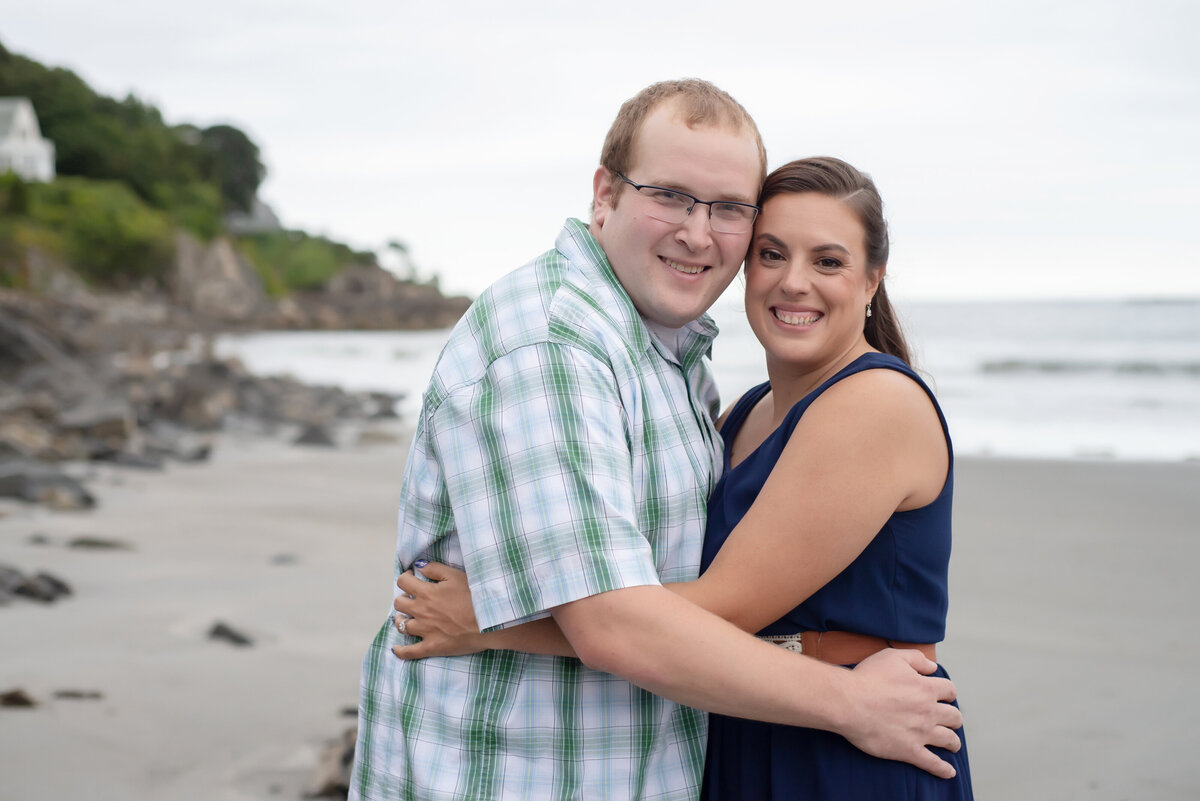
(104, 230)
(293, 260)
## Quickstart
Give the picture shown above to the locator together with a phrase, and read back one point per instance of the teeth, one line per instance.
(796, 319)
(684, 268)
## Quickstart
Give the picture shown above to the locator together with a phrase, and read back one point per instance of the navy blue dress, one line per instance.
(895, 589)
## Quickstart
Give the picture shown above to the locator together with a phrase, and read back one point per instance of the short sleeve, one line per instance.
(536, 460)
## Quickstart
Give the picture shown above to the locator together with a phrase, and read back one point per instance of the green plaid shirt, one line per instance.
(562, 451)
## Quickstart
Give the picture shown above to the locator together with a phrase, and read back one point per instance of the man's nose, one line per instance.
(695, 231)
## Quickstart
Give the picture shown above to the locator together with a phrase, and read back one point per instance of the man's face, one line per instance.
(674, 273)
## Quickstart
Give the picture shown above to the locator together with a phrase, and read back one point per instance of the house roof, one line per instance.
(8, 113)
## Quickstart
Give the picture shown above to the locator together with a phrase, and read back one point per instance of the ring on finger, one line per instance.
(402, 626)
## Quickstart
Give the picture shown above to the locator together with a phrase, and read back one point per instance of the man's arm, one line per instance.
(665, 644)
(671, 647)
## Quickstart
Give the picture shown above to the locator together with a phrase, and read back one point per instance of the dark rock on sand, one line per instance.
(99, 544)
(43, 587)
(317, 435)
(10, 579)
(16, 698)
(331, 778)
(223, 631)
(137, 461)
(35, 482)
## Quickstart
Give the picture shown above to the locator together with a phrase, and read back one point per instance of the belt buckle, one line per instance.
(788, 642)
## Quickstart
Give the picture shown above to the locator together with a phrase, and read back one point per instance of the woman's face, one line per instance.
(807, 280)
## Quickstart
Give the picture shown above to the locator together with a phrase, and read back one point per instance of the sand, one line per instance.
(183, 716)
(1071, 596)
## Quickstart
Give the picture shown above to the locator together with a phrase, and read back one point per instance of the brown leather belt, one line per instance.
(843, 647)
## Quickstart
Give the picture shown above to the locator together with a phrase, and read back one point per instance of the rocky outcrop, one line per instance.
(215, 287)
(134, 391)
(367, 297)
(214, 282)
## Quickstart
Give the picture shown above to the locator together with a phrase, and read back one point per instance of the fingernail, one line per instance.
(420, 563)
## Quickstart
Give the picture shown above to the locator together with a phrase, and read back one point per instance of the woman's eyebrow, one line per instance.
(774, 240)
(831, 246)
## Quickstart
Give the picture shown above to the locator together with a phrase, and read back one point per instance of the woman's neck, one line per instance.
(791, 382)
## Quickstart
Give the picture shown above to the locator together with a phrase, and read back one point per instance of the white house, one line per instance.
(22, 148)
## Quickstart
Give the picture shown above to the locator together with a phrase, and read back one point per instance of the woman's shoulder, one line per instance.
(878, 390)
(885, 416)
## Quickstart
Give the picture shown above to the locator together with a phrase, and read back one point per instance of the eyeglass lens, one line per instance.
(673, 207)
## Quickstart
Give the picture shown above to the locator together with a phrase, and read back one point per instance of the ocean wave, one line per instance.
(1075, 367)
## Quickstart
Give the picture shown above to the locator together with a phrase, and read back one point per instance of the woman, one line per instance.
(829, 531)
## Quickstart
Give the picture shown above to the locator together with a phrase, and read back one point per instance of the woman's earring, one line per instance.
(868, 308)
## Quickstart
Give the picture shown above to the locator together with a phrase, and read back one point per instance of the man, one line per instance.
(564, 456)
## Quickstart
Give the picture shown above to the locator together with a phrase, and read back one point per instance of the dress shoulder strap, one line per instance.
(741, 409)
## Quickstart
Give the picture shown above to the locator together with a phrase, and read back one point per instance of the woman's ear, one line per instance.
(873, 282)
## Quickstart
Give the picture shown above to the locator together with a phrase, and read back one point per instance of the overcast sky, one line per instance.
(1024, 149)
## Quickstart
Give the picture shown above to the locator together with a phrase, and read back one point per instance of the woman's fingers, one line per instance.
(436, 571)
(417, 650)
(408, 583)
(405, 604)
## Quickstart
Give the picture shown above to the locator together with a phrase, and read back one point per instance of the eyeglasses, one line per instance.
(673, 206)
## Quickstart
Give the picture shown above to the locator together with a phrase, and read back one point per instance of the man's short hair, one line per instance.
(699, 104)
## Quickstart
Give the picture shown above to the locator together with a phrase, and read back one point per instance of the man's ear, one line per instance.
(602, 195)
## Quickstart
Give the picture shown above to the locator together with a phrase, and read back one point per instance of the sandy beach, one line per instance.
(1071, 599)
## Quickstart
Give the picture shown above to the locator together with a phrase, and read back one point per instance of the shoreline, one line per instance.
(1070, 593)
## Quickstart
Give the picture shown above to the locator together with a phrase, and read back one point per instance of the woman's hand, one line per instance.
(438, 612)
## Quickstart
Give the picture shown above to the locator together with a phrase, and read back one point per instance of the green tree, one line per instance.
(127, 140)
(233, 164)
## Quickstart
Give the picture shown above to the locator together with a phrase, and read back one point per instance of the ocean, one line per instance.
(1098, 380)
